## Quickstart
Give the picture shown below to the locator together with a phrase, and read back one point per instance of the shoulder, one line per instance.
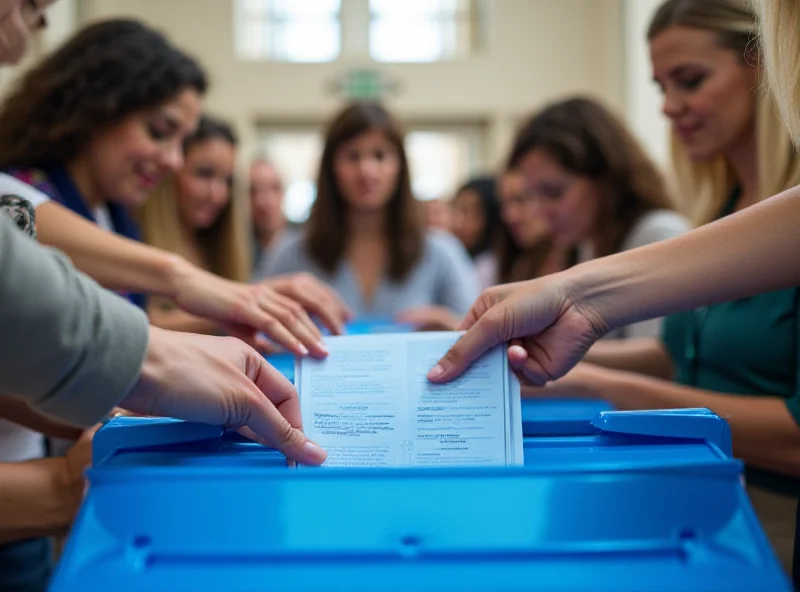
(287, 255)
(655, 226)
(29, 184)
(290, 241)
(443, 246)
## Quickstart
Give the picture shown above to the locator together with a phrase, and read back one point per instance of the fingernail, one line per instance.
(302, 349)
(314, 451)
(435, 372)
(321, 345)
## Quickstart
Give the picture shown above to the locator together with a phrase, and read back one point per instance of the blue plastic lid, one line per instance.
(631, 502)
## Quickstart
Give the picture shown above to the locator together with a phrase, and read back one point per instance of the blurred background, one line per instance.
(460, 74)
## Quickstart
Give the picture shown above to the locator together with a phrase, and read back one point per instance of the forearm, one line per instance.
(747, 253)
(764, 432)
(174, 319)
(36, 499)
(18, 411)
(643, 356)
(113, 261)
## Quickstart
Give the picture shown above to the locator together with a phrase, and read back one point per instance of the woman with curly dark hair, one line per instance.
(99, 122)
(96, 126)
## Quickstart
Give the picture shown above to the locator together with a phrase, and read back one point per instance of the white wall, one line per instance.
(642, 97)
(539, 50)
(62, 20)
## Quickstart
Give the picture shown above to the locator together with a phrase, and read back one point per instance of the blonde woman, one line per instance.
(196, 214)
(730, 151)
(740, 358)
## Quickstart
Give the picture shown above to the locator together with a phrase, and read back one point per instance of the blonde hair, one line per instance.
(780, 40)
(224, 246)
(709, 184)
(705, 187)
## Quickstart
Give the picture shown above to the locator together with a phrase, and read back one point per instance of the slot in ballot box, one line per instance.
(631, 501)
(371, 324)
(540, 416)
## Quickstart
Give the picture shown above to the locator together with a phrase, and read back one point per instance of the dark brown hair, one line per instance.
(485, 187)
(588, 140)
(104, 73)
(515, 263)
(327, 233)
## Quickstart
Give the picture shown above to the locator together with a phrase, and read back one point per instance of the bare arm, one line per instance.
(35, 499)
(555, 320)
(41, 497)
(122, 264)
(747, 253)
(644, 356)
(765, 434)
(166, 316)
(113, 261)
(19, 412)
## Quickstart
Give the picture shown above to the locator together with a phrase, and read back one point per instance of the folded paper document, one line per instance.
(369, 404)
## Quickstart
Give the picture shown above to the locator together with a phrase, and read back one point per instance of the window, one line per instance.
(441, 157)
(288, 30)
(295, 153)
(420, 30)
(386, 30)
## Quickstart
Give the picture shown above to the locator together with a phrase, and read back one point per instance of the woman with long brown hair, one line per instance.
(594, 185)
(523, 248)
(365, 236)
(197, 214)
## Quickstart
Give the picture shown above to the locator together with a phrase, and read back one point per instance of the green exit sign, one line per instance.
(364, 84)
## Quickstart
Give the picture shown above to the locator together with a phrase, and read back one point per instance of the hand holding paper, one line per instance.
(370, 404)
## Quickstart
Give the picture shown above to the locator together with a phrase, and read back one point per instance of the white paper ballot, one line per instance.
(369, 404)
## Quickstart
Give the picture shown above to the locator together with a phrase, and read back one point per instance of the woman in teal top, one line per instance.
(740, 358)
(744, 347)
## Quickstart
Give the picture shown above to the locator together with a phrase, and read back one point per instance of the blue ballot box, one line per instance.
(624, 502)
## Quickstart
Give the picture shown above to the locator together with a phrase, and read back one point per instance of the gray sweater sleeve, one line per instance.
(68, 347)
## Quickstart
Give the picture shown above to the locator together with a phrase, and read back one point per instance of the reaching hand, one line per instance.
(550, 329)
(79, 457)
(314, 296)
(247, 310)
(221, 380)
